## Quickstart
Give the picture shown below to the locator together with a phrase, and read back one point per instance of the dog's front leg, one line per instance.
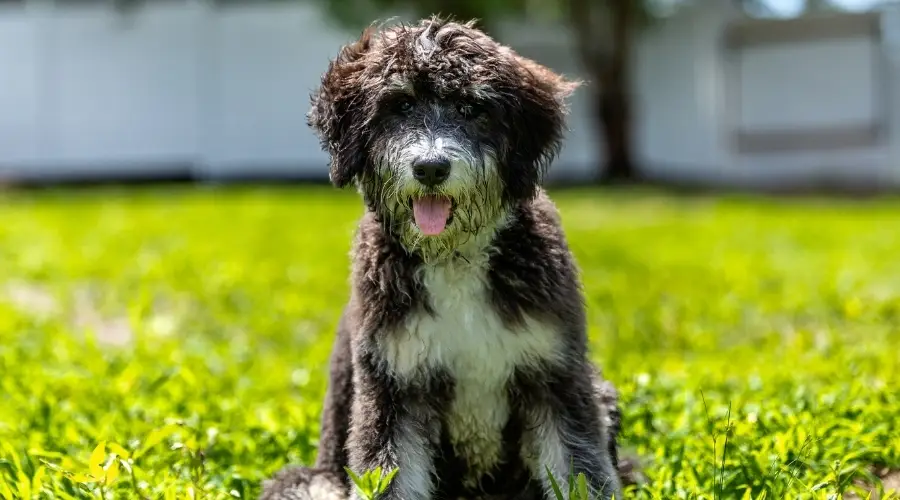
(566, 436)
(391, 429)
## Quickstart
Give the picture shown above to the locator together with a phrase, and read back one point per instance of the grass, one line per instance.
(172, 343)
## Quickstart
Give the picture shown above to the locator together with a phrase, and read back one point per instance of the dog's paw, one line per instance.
(630, 469)
(303, 483)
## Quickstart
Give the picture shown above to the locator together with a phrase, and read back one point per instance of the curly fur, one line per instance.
(461, 357)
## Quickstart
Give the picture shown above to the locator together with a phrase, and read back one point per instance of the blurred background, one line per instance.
(740, 93)
(753, 338)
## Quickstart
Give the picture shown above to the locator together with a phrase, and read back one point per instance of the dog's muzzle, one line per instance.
(432, 212)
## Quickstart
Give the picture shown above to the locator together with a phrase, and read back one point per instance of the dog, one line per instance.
(461, 357)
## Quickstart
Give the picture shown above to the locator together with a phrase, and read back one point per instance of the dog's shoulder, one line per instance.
(385, 285)
(532, 270)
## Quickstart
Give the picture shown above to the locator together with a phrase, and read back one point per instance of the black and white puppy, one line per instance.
(461, 357)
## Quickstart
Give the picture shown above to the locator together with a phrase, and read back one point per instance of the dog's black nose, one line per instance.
(431, 171)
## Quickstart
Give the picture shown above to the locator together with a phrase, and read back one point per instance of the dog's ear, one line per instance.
(537, 130)
(336, 112)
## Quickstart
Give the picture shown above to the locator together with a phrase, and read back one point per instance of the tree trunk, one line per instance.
(613, 108)
(609, 64)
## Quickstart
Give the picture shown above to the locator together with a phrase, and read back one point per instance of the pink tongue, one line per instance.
(431, 213)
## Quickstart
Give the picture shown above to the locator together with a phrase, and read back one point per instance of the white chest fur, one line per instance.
(466, 338)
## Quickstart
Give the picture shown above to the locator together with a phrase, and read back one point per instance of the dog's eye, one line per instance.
(404, 106)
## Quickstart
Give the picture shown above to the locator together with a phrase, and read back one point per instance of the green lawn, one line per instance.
(755, 342)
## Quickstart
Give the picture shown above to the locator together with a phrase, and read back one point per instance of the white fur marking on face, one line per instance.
(403, 152)
(474, 185)
(467, 338)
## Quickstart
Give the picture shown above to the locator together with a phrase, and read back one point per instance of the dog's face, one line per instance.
(441, 128)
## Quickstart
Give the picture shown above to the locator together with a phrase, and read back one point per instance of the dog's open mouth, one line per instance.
(432, 213)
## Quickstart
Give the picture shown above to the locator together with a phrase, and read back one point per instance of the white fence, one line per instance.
(173, 85)
(219, 91)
